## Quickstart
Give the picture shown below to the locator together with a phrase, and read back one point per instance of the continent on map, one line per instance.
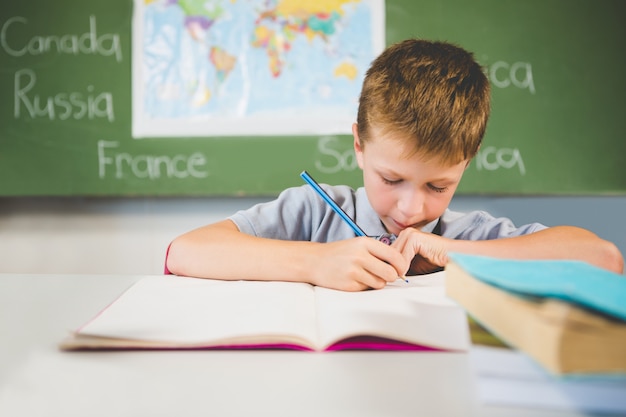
(222, 61)
(276, 28)
(346, 69)
(199, 15)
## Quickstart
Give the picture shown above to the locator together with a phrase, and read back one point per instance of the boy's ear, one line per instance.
(358, 149)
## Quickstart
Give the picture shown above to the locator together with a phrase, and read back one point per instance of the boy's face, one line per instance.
(405, 191)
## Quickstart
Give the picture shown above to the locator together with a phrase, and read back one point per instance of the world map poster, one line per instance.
(251, 67)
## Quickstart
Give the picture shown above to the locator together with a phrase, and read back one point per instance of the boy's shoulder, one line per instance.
(481, 225)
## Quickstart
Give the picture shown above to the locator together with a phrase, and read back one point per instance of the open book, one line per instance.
(171, 312)
(569, 316)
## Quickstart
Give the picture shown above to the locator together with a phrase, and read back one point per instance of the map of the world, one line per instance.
(251, 67)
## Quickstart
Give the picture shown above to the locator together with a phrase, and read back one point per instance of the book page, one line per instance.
(511, 378)
(180, 311)
(416, 312)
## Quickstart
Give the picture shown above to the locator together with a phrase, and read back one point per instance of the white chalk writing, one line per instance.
(519, 74)
(118, 165)
(332, 158)
(90, 42)
(491, 158)
(62, 106)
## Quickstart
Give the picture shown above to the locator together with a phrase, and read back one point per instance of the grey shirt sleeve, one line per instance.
(479, 225)
(299, 214)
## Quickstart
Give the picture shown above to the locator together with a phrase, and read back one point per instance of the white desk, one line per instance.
(36, 379)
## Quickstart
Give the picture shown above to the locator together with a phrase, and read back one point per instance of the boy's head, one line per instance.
(432, 94)
(422, 115)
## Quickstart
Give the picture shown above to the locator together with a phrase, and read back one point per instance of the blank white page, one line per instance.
(191, 311)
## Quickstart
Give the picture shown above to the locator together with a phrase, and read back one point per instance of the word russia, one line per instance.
(61, 106)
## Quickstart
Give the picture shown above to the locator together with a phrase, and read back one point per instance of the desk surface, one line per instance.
(36, 379)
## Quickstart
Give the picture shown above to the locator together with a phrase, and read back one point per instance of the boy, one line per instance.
(422, 115)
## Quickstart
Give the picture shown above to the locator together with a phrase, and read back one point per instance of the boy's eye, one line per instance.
(437, 189)
(390, 182)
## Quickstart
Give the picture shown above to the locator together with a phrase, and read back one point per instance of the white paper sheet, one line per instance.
(508, 377)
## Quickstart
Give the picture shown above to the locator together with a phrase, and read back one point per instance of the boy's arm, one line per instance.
(221, 251)
(559, 242)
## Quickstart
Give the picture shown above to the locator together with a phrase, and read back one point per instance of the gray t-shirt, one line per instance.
(300, 214)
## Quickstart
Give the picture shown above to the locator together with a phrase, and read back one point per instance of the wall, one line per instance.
(129, 236)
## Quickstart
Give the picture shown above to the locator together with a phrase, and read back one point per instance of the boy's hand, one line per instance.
(425, 252)
(357, 264)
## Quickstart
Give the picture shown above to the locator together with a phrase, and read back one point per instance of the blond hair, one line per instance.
(434, 93)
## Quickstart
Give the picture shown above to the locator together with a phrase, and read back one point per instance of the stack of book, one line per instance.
(569, 316)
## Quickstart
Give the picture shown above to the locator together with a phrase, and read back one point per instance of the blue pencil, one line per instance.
(333, 204)
(357, 230)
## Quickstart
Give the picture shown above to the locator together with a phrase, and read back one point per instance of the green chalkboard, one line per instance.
(558, 122)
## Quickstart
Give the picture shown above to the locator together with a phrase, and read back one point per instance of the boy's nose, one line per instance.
(411, 204)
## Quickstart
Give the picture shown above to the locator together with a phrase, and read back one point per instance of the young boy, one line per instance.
(422, 115)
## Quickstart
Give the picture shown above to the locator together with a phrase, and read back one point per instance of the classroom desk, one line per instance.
(36, 379)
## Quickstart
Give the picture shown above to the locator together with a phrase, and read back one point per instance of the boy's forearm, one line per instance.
(560, 242)
(220, 251)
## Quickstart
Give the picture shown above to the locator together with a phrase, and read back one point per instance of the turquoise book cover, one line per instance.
(568, 280)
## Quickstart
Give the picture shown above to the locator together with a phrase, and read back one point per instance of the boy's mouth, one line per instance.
(401, 226)
(398, 225)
